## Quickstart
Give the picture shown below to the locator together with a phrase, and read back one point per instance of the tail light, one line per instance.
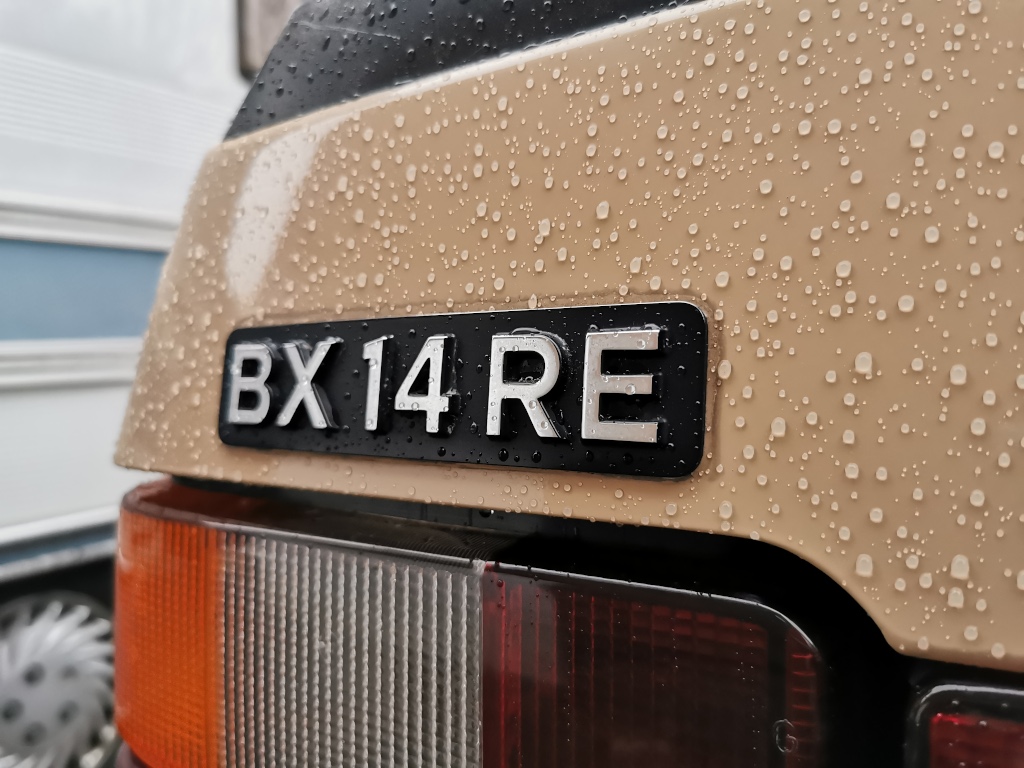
(241, 645)
(583, 672)
(168, 628)
(968, 727)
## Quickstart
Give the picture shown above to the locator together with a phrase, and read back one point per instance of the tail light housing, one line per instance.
(587, 672)
(392, 642)
(959, 726)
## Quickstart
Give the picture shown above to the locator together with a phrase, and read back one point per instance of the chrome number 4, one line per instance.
(433, 403)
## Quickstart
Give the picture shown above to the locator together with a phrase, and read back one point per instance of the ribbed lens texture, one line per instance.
(977, 741)
(799, 735)
(168, 669)
(348, 659)
(587, 674)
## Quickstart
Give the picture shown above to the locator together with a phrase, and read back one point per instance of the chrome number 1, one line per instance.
(373, 353)
(433, 403)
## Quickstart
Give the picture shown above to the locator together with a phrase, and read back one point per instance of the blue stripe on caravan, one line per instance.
(48, 290)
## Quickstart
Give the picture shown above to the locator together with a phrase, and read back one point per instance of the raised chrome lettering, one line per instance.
(528, 392)
(597, 383)
(373, 353)
(304, 366)
(433, 403)
(255, 384)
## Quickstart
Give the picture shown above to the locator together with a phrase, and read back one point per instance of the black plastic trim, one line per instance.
(332, 51)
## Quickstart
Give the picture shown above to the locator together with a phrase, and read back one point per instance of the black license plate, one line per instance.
(619, 389)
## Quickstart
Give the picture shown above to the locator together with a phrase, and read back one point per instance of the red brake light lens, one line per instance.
(976, 741)
(584, 672)
(968, 727)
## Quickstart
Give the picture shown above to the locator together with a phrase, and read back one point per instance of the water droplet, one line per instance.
(865, 566)
(863, 363)
(960, 567)
(917, 138)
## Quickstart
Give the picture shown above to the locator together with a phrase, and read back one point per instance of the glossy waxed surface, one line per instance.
(838, 182)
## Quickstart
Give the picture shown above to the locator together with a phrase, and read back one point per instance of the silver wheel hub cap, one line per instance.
(56, 683)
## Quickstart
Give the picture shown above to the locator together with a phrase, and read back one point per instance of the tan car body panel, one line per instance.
(838, 184)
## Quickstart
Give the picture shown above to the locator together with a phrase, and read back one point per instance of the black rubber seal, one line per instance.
(332, 51)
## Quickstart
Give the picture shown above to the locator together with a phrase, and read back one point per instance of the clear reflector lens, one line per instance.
(335, 657)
